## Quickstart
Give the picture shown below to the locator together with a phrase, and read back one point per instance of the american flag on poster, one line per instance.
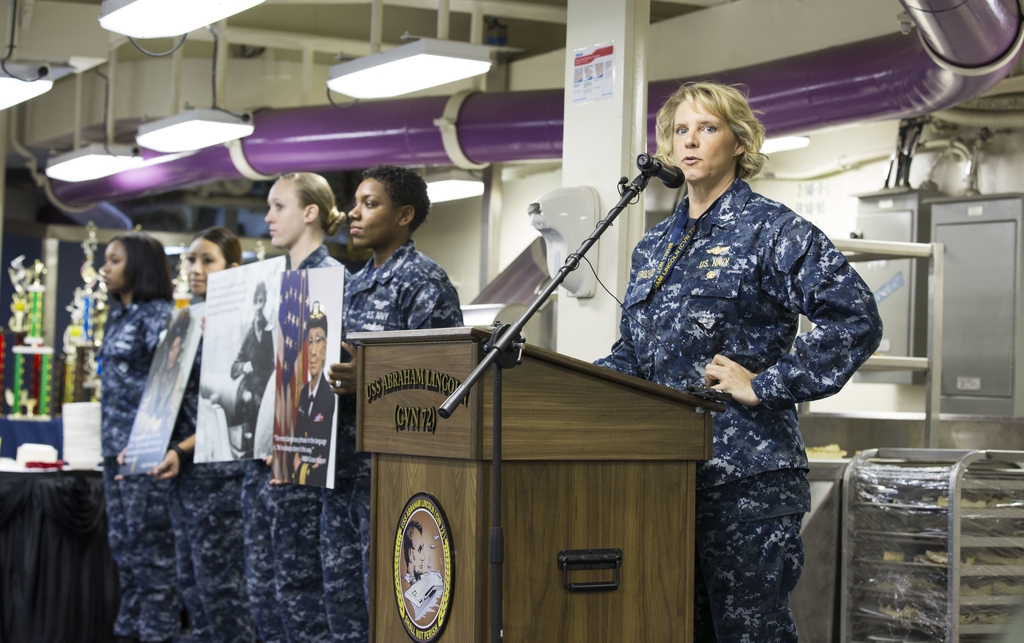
(291, 355)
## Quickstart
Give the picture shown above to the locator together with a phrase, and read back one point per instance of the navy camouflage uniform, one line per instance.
(206, 514)
(409, 291)
(751, 268)
(282, 544)
(139, 528)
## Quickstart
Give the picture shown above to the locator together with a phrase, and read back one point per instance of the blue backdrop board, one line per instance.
(15, 432)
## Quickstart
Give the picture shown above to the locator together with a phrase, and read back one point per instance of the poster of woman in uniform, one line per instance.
(237, 379)
(305, 411)
(165, 386)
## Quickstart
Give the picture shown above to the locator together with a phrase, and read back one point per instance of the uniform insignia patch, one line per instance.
(707, 323)
(717, 250)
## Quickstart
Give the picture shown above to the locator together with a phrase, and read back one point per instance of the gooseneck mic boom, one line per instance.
(671, 176)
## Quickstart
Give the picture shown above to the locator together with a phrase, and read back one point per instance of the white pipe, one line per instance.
(476, 25)
(443, 18)
(76, 131)
(844, 163)
(111, 105)
(39, 178)
(307, 75)
(376, 25)
(981, 118)
(221, 63)
(176, 66)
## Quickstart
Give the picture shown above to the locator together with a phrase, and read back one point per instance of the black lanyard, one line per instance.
(667, 262)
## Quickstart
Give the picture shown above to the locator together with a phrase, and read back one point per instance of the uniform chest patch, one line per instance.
(707, 322)
(717, 250)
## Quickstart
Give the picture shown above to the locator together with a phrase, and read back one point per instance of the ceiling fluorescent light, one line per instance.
(166, 18)
(193, 130)
(449, 186)
(784, 144)
(92, 161)
(417, 65)
(13, 90)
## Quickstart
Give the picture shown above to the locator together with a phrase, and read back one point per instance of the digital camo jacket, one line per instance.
(131, 336)
(409, 291)
(751, 268)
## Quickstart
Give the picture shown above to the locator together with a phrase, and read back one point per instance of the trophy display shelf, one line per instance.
(598, 495)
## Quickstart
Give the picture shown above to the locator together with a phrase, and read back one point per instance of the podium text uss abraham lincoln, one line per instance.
(413, 378)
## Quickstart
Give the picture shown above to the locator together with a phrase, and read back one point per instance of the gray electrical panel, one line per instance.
(982, 365)
(900, 286)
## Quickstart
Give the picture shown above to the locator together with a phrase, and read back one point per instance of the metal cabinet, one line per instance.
(900, 285)
(982, 338)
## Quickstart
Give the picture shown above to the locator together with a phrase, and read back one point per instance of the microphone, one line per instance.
(672, 177)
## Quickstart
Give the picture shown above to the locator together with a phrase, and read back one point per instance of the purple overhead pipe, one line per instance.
(882, 78)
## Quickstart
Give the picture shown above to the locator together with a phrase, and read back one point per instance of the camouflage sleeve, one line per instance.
(154, 323)
(806, 274)
(623, 356)
(430, 304)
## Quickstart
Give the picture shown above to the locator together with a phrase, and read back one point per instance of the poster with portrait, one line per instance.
(237, 378)
(309, 340)
(165, 387)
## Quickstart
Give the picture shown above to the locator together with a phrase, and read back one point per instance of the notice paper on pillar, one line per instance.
(592, 73)
(305, 408)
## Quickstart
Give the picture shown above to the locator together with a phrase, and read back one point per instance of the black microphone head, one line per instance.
(645, 162)
(672, 177)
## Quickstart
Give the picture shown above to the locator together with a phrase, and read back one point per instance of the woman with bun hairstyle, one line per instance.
(139, 283)
(205, 503)
(282, 521)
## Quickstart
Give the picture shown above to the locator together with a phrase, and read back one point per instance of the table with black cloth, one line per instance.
(58, 582)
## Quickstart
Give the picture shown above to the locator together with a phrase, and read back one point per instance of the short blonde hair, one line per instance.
(313, 189)
(727, 103)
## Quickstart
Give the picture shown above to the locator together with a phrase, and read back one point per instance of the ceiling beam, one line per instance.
(289, 40)
(497, 8)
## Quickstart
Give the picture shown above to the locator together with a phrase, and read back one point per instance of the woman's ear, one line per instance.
(234, 264)
(406, 214)
(311, 213)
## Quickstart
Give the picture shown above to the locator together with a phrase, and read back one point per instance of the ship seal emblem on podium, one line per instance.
(424, 568)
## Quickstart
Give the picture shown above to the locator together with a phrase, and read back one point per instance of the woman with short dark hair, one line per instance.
(138, 280)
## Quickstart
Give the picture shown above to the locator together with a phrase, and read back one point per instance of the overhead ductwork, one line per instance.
(963, 48)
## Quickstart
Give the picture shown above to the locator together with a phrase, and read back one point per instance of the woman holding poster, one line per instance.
(139, 283)
(284, 580)
(205, 507)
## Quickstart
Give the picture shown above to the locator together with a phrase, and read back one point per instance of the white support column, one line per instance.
(600, 143)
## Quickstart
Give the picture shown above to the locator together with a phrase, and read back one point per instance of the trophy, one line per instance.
(29, 397)
(84, 334)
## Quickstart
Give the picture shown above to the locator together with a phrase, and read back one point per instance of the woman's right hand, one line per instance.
(120, 461)
(169, 468)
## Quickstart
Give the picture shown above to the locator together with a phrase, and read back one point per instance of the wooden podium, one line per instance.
(592, 460)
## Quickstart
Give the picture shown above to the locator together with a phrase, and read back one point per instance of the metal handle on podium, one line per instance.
(571, 560)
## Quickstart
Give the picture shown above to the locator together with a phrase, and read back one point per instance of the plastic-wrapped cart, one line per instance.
(933, 547)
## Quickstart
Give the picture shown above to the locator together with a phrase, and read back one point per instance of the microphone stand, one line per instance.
(505, 350)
